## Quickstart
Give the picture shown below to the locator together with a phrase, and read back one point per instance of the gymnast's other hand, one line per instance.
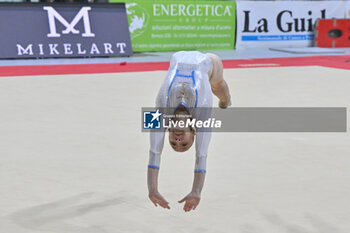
(158, 199)
(191, 201)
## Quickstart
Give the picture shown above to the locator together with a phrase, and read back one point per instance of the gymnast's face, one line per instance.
(181, 139)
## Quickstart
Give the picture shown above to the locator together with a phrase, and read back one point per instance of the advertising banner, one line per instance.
(160, 25)
(63, 30)
(282, 23)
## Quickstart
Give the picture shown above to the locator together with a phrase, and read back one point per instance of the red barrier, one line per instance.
(332, 33)
(339, 62)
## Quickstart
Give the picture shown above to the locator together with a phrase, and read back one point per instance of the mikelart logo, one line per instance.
(82, 14)
(69, 30)
(138, 19)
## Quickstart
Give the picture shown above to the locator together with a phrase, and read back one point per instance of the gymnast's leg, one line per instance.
(218, 85)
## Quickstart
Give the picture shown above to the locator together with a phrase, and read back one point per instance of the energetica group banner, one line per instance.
(282, 23)
(63, 30)
(158, 25)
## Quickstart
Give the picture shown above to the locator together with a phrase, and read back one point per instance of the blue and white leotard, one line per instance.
(186, 83)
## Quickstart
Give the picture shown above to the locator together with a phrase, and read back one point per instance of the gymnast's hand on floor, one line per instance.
(191, 201)
(158, 199)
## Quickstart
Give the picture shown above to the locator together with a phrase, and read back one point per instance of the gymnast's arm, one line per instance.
(157, 141)
(193, 198)
(156, 147)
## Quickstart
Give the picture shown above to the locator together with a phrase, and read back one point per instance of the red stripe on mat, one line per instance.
(341, 62)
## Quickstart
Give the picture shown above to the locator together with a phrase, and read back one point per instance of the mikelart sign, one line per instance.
(160, 25)
(63, 30)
